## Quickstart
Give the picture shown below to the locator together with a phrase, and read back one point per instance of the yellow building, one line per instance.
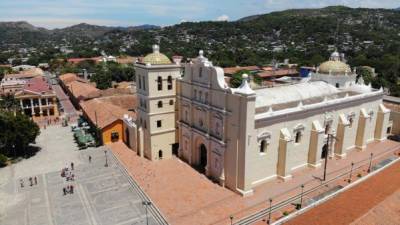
(107, 117)
(37, 98)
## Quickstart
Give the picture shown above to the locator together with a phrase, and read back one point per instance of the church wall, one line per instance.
(265, 164)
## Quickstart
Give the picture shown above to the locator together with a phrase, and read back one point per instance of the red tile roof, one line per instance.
(277, 73)
(103, 113)
(232, 70)
(38, 85)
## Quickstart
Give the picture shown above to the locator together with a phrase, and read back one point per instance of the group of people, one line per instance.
(32, 181)
(69, 176)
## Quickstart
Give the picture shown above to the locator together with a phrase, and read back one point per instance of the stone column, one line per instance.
(222, 175)
(316, 144)
(40, 107)
(340, 136)
(55, 107)
(285, 144)
(361, 142)
(32, 107)
(382, 122)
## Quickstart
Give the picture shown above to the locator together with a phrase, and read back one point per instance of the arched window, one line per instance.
(201, 95)
(169, 83)
(195, 94)
(186, 116)
(201, 122)
(159, 104)
(159, 83)
(337, 85)
(171, 102)
(298, 137)
(263, 146)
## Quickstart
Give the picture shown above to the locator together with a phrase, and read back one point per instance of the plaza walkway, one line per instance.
(374, 201)
(103, 195)
(185, 196)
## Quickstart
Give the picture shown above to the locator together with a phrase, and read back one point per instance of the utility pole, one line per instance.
(270, 211)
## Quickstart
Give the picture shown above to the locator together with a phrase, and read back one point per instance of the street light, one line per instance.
(370, 162)
(231, 217)
(301, 196)
(326, 155)
(270, 211)
(105, 154)
(351, 171)
(146, 204)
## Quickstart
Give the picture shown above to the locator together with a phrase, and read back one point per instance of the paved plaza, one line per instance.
(102, 195)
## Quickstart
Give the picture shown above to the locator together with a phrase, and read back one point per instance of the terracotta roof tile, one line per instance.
(103, 113)
(83, 91)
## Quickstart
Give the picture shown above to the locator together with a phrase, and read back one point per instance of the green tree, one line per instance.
(102, 77)
(17, 133)
(236, 79)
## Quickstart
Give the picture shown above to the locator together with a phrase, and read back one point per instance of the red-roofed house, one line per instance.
(37, 98)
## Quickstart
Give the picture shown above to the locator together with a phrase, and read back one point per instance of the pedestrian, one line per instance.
(71, 188)
(30, 181)
(35, 180)
(72, 166)
(90, 159)
(67, 189)
(72, 177)
(21, 182)
(64, 190)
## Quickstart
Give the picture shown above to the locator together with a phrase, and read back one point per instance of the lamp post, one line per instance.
(146, 204)
(370, 162)
(301, 196)
(231, 218)
(270, 211)
(105, 154)
(326, 155)
(351, 171)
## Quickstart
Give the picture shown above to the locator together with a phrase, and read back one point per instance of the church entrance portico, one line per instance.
(201, 156)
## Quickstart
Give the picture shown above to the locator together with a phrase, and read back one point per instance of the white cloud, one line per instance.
(223, 18)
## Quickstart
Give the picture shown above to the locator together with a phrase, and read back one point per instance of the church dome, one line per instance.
(334, 65)
(156, 58)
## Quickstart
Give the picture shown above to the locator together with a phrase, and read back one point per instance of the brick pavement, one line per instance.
(185, 196)
(356, 202)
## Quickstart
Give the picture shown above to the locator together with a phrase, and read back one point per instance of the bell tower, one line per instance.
(156, 96)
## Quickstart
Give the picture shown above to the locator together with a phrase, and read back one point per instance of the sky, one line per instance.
(62, 13)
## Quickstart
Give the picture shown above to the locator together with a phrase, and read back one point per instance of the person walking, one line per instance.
(72, 166)
(30, 181)
(21, 182)
(71, 188)
(35, 180)
(64, 190)
(90, 159)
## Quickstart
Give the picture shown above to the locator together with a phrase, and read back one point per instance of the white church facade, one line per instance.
(242, 137)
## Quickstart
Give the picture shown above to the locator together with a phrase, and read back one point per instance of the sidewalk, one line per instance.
(186, 197)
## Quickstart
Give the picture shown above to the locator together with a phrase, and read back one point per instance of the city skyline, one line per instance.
(50, 14)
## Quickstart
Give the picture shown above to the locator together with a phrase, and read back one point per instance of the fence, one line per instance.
(309, 192)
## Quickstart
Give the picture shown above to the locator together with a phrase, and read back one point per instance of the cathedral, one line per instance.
(242, 137)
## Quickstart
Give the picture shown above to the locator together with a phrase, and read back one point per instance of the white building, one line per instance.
(242, 137)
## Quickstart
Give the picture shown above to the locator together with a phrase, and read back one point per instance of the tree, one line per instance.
(236, 79)
(102, 77)
(17, 133)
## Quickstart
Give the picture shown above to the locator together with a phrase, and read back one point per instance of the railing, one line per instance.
(303, 195)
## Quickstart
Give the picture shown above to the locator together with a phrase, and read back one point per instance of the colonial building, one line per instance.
(242, 137)
(37, 98)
